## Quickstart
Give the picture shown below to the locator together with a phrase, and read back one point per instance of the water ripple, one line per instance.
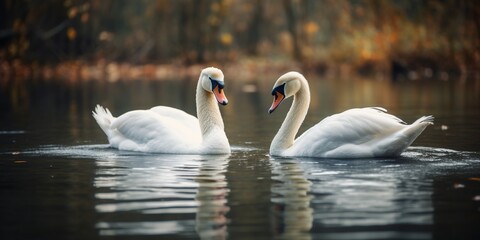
(144, 228)
(337, 194)
(361, 193)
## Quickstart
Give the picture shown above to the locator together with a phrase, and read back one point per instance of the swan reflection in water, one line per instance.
(212, 192)
(166, 191)
(290, 212)
(345, 198)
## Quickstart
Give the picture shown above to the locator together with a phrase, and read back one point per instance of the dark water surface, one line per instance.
(59, 179)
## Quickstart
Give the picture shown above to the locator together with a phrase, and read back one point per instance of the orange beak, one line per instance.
(277, 99)
(220, 96)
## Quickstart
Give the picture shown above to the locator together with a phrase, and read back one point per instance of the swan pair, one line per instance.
(355, 133)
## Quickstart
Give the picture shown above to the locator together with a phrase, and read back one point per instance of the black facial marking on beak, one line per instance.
(279, 89)
(278, 97)
(217, 87)
(215, 83)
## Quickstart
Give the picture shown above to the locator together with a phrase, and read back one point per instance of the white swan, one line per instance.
(168, 130)
(355, 133)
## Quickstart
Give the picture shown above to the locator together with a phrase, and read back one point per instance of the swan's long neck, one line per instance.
(285, 136)
(210, 119)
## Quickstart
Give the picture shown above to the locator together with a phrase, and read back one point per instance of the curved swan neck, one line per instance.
(285, 136)
(208, 113)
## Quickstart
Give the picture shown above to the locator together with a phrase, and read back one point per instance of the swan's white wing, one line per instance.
(165, 129)
(180, 116)
(360, 132)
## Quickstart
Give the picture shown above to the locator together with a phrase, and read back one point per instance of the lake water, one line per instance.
(59, 179)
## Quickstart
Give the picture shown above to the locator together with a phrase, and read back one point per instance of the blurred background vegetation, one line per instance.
(411, 39)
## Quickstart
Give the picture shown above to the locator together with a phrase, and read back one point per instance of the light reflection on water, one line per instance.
(365, 198)
(171, 185)
(292, 216)
(188, 195)
(163, 185)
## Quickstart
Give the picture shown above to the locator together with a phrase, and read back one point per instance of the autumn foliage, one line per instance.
(329, 35)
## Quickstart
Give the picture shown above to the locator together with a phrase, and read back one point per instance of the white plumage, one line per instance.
(168, 130)
(355, 133)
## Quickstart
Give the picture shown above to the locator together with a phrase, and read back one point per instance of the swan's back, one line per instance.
(160, 129)
(358, 133)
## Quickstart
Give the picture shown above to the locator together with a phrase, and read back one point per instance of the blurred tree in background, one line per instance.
(362, 35)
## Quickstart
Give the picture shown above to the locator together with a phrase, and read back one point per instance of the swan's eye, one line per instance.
(280, 89)
(215, 83)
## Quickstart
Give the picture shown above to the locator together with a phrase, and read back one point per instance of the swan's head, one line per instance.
(286, 86)
(212, 81)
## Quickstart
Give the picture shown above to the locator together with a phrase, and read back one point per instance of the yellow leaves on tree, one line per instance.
(226, 39)
(310, 28)
(71, 33)
(72, 12)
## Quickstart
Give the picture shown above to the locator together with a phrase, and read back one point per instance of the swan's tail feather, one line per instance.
(407, 136)
(425, 119)
(104, 118)
(416, 128)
